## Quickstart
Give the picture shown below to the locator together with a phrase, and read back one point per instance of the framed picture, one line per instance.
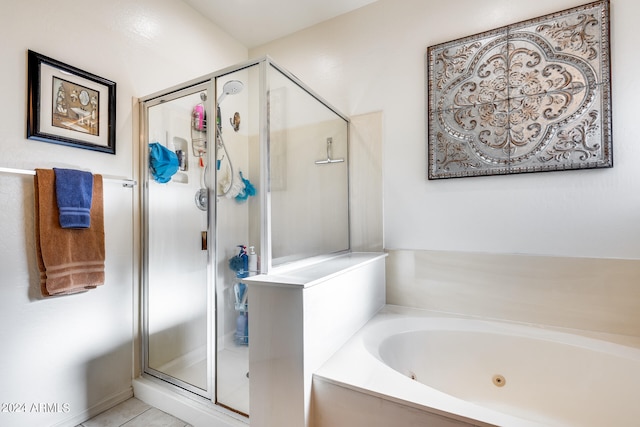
(69, 106)
(533, 96)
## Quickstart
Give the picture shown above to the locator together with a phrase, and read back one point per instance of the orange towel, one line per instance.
(70, 260)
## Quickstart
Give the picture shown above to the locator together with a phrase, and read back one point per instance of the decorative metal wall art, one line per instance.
(529, 97)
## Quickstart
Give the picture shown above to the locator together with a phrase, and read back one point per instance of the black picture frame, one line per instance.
(69, 106)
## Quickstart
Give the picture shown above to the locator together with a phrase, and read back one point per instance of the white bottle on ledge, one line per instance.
(253, 261)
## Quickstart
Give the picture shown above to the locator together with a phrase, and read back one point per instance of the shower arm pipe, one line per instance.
(220, 145)
(129, 183)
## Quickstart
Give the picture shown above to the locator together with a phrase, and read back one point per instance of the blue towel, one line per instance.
(74, 192)
(163, 163)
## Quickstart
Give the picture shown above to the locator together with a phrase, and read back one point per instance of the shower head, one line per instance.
(230, 88)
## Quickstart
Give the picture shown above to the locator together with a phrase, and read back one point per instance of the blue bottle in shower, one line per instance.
(243, 267)
(241, 335)
(242, 328)
(245, 341)
(245, 261)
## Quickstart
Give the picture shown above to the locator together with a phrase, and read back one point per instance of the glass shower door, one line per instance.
(238, 223)
(177, 343)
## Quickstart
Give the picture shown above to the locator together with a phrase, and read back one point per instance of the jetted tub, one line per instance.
(489, 373)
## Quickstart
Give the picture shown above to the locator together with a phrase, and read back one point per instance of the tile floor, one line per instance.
(134, 413)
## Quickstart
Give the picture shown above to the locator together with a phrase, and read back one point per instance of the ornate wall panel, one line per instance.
(529, 97)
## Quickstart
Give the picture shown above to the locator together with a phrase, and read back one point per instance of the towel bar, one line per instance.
(129, 183)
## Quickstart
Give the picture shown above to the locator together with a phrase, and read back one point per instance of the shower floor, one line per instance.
(232, 381)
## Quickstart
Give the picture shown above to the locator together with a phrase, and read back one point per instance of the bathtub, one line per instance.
(480, 373)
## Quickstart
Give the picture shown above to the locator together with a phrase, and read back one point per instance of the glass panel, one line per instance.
(308, 174)
(237, 224)
(177, 255)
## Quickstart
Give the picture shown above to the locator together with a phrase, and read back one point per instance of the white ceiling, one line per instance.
(255, 22)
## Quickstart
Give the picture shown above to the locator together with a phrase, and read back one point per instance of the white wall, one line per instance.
(78, 350)
(373, 59)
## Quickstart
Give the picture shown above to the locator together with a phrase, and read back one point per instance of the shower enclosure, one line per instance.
(251, 175)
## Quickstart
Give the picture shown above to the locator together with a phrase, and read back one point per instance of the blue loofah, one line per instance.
(249, 190)
(240, 263)
(236, 263)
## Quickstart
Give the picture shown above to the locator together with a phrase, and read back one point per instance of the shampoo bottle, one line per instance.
(253, 261)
